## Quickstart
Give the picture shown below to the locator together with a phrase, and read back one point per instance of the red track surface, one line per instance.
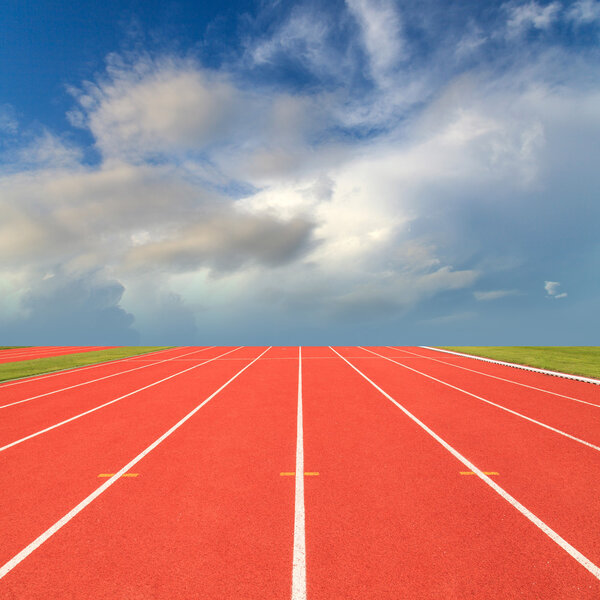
(210, 516)
(17, 354)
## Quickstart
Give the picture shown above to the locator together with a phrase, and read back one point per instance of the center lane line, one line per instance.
(23, 554)
(553, 535)
(513, 412)
(87, 412)
(299, 556)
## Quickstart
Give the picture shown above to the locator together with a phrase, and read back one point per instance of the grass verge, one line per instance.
(576, 360)
(38, 366)
(11, 347)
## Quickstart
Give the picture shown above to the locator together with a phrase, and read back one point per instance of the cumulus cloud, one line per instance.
(76, 310)
(157, 106)
(214, 197)
(225, 241)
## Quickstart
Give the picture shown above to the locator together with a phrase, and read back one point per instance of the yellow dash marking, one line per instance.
(484, 472)
(124, 475)
(306, 473)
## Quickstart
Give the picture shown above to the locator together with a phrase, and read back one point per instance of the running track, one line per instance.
(16, 354)
(213, 441)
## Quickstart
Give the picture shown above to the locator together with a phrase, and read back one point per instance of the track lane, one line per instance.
(551, 475)
(75, 374)
(7, 356)
(577, 419)
(570, 387)
(375, 528)
(390, 516)
(12, 397)
(46, 477)
(209, 516)
(21, 420)
(409, 354)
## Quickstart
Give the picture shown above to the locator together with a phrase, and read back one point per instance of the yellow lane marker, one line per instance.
(484, 472)
(124, 475)
(306, 473)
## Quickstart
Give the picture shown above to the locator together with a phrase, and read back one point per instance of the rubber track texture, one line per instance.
(25, 419)
(578, 419)
(208, 516)
(552, 476)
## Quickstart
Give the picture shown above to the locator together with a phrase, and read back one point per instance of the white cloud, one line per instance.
(584, 12)
(158, 106)
(551, 288)
(531, 15)
(234, 200)
(470, 42)
(8, 120)
(381, 29)
(302, 38)
(48, 151)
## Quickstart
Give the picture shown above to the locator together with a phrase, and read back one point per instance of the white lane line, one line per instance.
(531, 387)
(62, 351)
(24, 352)
(15, 560)
(87, 412)
(512, 412)
(555, 537)
(287, 358)
(70, 387)
(299, 557)
(34, 378)
(517, 366)
(37, 350)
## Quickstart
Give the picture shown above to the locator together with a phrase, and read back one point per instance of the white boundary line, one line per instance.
(13, 562)
(48, 374)
(87, 412)
(555, 537)
(70, 387)
(516, 366)
(512, 412)
(299, 558)
(531, 387)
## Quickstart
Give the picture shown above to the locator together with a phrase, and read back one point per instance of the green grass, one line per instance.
(9, 347)
(576, 360)
(27, 368)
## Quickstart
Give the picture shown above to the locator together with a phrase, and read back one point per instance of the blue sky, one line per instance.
(344, 172)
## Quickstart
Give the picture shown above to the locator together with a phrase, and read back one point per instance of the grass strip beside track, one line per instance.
(11, 347)
(38, 366)
(576, 360)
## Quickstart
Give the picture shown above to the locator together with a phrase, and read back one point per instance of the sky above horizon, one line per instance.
(321, 172)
